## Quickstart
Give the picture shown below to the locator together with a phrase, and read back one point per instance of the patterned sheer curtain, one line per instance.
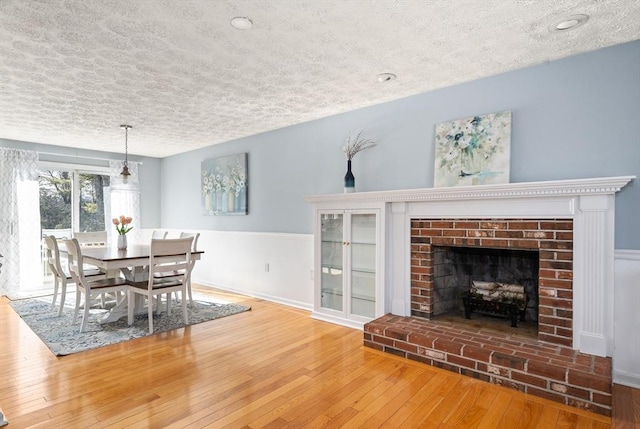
(124, 199)
(19, 221)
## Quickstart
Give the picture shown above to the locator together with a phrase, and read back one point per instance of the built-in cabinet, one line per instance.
(349, 265)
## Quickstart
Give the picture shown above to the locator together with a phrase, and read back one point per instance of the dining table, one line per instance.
(133, 263)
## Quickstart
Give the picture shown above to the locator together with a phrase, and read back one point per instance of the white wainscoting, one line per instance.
(626, 353)
(273, 266)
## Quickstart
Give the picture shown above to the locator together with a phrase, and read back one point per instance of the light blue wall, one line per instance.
(574, 118)
(149, 172)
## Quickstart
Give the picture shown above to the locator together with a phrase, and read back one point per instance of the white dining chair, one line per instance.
(159, 234)
(169, 265)
(60, 275)
(90, 288)
(92, 239)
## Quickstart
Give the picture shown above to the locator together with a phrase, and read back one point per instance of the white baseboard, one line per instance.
(270, 298)
(626, 379)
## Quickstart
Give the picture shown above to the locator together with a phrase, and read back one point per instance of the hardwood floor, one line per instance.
(272, 367)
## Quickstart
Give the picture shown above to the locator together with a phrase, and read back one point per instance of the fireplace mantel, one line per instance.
(594, 186)
(590, 203)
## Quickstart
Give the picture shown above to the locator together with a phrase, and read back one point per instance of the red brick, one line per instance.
(460, 361)
(432, 232)
(565, 294)
(546, 370)
(480, 234)
(493, 225)
(421, 340)
(523, 225)
(589, 406)
(602, 366)
(395, 333)
(554, 321)
(382, 340)
(560, 284)
(590, 381)
(509, 234)
(546, 394)
(401, 345)
(472, 242)
(539, 235)
(547, 273)
(529, 379)
(555, 302)
(564, 235)
(508, 361)
(441, 224)
(494, 243)
(552, 244)
(555, 339)
(454, 233)
(557, 225)
(565, 275)
(442, 241)
(466, 225)
(602, 399)
(523, 244)
(476, 353)
(447, 346)
(556, 265)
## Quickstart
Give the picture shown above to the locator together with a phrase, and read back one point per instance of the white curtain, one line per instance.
(19, 221)
(124, 199)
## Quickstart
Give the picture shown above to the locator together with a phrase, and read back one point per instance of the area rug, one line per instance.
(64, 338)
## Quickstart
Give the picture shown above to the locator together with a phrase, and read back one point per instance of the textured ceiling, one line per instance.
(72, 71)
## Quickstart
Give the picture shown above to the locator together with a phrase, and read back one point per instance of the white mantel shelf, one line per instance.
(592, 186)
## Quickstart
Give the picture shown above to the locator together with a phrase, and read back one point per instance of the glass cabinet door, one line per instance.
(332, 258)
(362, 248)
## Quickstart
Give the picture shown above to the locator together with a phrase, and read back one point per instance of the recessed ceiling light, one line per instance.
(241, 23)
(385, 77)
(568, 23)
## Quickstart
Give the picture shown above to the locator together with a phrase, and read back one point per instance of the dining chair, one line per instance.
(90, 288)
(60, 276)
(92, 239)
(159, 235)
(169, 265)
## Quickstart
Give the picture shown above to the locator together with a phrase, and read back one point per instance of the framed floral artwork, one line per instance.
(224, 185)
(473, 151)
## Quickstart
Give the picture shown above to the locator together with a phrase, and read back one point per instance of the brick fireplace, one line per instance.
(552, 238)
(545, 366)
(569, 223)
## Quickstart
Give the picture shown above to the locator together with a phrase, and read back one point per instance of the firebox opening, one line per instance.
(461, 270)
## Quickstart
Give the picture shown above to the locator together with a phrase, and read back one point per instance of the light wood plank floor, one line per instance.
(272, 367)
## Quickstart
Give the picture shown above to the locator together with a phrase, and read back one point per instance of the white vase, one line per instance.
(122, 241)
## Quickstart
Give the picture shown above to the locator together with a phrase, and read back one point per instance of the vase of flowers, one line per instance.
(122, 226)
(352, 147)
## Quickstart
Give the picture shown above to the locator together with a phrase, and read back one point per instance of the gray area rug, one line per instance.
(63, 337)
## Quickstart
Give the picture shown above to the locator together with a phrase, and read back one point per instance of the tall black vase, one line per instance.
(349, 180)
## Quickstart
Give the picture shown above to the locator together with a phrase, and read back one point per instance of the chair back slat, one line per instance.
(53, 255)
(93, 238)
(195, 236)
(75, 260)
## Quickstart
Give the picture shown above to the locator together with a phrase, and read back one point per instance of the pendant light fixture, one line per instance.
(125, 168)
